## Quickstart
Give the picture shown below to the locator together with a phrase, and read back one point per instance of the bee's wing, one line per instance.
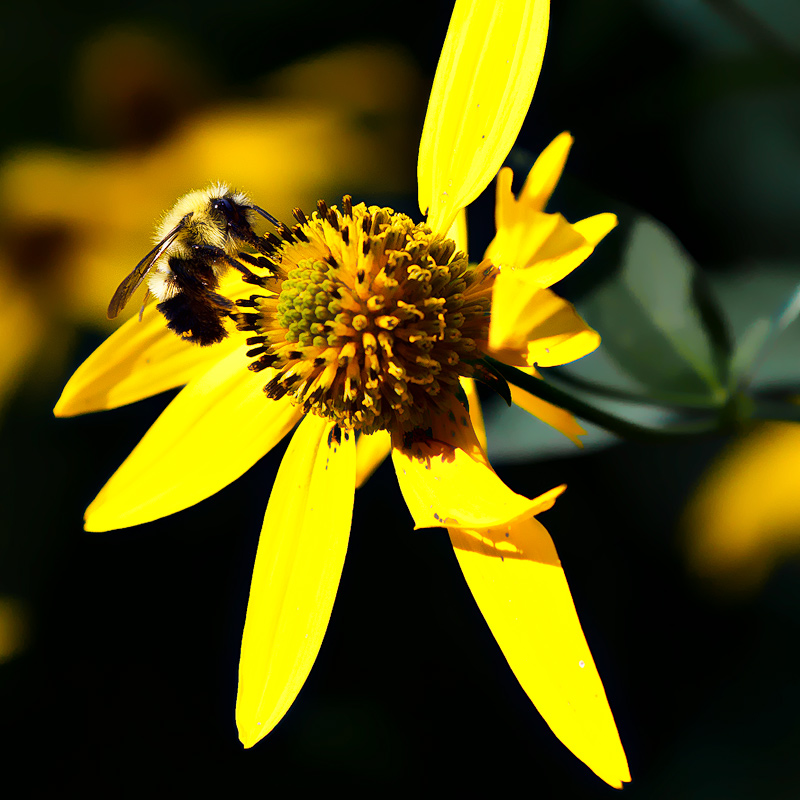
(131, 283)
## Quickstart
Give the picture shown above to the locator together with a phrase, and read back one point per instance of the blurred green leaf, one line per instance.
(749, 348)
(761, 301)
(659, 320)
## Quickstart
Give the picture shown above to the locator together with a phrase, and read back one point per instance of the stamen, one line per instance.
(369, 319)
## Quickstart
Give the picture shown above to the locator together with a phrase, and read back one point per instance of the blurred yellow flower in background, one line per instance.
(221, 423)
(744, 516)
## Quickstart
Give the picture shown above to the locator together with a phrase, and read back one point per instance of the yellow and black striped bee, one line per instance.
(197, 241)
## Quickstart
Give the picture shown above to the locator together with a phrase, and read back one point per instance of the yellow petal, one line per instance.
(545, 173)
(475, 412)
(139, 360)
(514, 217)
(446, 480)
(210, 434)
(458, 231)
(545, 245)
(370, 453)
(554, 416)
(515, 575)
(298, 566)
(535, 326)
(596, 228)
(483, 87)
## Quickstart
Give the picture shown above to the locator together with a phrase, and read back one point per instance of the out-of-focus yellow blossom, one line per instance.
(409, 316)
(744, 517)
(13, 628)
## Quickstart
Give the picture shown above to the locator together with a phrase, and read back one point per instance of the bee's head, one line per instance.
(231, 211)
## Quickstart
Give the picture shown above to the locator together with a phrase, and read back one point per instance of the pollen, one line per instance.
(367, 318)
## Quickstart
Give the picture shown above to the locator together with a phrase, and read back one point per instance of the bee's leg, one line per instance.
(211, 254)
(248, 276)
(261, 262)
(265, 244)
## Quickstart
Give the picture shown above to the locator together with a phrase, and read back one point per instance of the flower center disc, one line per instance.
(371, 317)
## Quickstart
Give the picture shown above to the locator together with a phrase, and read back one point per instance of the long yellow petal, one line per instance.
(516, 578)
(371, 451)
(144, 358)
(475, 411)
(483, 87)
(298, 566)
(208, 436)
(458, 231)
(447, 481)
(554, 416)
(139, 360)
(534, 325)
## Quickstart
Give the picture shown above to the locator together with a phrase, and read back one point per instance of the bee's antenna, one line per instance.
(265, 214)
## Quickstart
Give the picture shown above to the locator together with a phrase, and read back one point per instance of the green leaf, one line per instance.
(762, 300)
(658, 319)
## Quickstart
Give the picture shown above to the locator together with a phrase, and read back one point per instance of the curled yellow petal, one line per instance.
(139, 360)
(545, 174)
(370, 453)
(516, 219)
(447, 481)
(516, 578)
(544, 245)
(296, 574)
(216, 428)
(596, 228)
(535, 326)
(482, 90)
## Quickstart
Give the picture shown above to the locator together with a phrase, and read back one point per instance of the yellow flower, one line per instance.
(744, 517)
(362, 321)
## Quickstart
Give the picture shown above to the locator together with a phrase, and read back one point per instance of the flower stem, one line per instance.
(719, 422)
(611, 392)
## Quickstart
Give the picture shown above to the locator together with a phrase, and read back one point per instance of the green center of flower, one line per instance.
(371, 317)
(309, 300)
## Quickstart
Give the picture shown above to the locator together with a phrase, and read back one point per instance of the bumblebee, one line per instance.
(197, 241)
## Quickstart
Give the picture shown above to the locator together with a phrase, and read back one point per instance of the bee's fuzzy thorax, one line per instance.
(203, 226)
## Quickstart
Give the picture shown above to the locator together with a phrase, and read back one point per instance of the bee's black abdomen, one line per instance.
(197, 320)
(196, 312)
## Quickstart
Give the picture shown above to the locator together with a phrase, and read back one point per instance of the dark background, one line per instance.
(124, 676)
